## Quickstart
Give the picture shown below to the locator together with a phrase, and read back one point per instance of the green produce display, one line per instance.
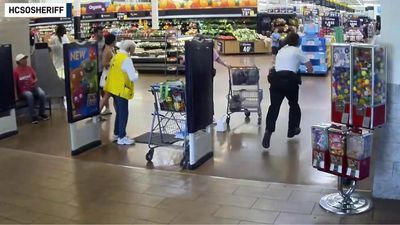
(245, 35)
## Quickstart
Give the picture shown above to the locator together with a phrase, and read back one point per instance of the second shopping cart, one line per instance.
(245, 94)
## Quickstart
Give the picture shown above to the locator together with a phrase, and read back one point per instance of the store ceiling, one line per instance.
(361, 2)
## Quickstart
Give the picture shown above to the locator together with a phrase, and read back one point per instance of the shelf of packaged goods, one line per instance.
(158, 39)
(158, 67)
(149, 60)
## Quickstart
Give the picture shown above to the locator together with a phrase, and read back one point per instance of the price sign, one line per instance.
(246, 47)
(329, 22)
(354, 23)
(247, 12)
(88, 17)
(107, 16)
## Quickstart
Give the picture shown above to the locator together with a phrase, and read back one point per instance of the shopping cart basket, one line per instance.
(169, 116)
(245, 94)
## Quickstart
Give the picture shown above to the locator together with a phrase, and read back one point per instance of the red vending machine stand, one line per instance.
(368, 80)
(341, 85)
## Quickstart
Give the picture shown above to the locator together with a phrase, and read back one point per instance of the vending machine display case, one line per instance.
(320, 145)
(337, 150)
(341, 84)
(359, 148)
(368, 80)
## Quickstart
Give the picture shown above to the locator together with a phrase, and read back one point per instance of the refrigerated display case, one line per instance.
(341, 85)
(368, 86)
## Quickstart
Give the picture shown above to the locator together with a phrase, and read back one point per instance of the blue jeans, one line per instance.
(30, 96)
(121, 119)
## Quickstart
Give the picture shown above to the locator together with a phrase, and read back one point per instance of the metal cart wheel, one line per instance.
(149, 155)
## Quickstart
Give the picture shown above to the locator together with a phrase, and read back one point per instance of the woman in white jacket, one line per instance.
(56, 45)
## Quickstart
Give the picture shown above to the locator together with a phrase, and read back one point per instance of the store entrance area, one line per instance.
(237, 153)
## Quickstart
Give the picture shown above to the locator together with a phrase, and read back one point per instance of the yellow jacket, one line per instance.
(118, 82)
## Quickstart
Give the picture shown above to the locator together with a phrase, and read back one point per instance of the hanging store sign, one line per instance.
(95, 7)
(329, 22)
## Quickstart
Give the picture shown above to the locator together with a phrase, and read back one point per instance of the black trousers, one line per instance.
(284, 84)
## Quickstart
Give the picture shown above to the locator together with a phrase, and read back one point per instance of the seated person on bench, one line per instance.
(26, 83)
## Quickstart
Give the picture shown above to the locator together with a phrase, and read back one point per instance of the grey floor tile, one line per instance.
(103, 218)
(284, 206)
(172, 192)
(228, 200)
(307, 188)
(181, 205)
(252, 215)
(304, 196)
(134, 198)
(291, 218)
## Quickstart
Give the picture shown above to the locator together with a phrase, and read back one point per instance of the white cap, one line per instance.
(19, 57)
(126, 44)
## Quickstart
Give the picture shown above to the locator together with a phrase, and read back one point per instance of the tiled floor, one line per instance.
(42, 189)
(288, 161)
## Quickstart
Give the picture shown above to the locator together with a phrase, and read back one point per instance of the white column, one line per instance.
(386, 145)
(154, 14)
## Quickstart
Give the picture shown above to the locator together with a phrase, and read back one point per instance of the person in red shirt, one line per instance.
(26, 85)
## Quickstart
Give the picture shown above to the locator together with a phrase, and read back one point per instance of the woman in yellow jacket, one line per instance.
(120, 84)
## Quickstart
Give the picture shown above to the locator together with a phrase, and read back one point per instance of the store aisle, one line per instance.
(238, 153)
(44, 189)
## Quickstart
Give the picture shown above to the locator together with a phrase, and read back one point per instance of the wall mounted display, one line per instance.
(7, 95)
(81, 80)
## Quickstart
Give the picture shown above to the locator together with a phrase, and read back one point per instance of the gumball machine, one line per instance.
(337, 150)
(320, 145)
(359, 148)
(341, 85)
(368, 86)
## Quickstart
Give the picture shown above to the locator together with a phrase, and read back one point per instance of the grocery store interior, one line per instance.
(198, 114)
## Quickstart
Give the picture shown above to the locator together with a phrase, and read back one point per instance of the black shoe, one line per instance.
(44, 117)
(293, 132)
(266, 139)
(35, 120)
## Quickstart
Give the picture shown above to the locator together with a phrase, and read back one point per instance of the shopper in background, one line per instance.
(120, 83)
(276, 36)
(27, 87)
(285, 83)
(108, 53)
(56, 45)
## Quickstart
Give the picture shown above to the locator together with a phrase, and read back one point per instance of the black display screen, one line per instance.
(7, 96)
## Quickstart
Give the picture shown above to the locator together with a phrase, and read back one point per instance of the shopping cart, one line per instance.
(244, 94)
(169, 117)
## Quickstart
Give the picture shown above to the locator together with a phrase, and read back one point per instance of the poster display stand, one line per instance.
(199, 100)
(358, 107)
(82, 93)
(8, 123)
